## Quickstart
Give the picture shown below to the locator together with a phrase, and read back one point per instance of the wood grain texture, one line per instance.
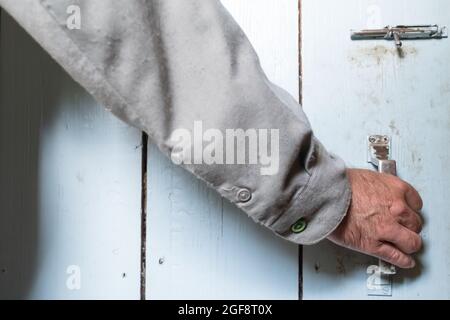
(69, 180)
(199, 245)
(353, 89)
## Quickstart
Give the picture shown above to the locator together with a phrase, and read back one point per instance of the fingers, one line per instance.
(394, 256)
(412, 197)
(410, 220)
(406, 216)
(404, 239)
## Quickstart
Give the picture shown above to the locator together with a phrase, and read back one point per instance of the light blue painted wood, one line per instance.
(69, 184)
(352, 89)
(200, 246)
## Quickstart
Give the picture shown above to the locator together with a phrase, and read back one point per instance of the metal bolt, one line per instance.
(398, 41)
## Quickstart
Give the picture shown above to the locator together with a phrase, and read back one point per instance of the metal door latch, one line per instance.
(379, 148)
(379, 283)
(399, 33)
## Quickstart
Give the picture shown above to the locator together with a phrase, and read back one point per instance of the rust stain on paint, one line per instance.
(377, 54)
(393, 127)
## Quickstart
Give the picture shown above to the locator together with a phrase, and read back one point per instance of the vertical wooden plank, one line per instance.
(353, 89)
(69, 180)
(199, 245)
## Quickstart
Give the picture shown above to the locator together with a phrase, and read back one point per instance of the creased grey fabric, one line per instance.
(161, 65)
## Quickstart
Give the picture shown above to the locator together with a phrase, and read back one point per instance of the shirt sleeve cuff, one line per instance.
(321, 205)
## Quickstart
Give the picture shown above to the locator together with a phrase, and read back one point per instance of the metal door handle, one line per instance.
(379, 148)
(379, 282)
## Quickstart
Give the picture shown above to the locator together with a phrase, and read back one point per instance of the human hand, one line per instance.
(383, 218)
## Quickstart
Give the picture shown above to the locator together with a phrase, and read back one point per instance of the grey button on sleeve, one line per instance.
(244, 195)
(161, 65)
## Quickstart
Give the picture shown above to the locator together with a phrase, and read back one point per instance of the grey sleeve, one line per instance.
(163, 65)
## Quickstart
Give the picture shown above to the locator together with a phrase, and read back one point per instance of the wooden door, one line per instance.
(355, 89)
(199, 245)
(71, 184)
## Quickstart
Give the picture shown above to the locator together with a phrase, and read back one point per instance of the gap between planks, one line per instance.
(144, 166)
(300, 99)
(143, 259)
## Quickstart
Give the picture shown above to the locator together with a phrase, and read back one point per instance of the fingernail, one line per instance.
(413, 264)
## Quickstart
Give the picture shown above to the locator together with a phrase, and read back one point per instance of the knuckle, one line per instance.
(404, 262)
(403, 186)
(387, 231)
(412, 221)
(417, 228)
(417, 224)
(416, 198)
(379, 250)
(416, 244)
(394, 255)
(419, 203)
(399, 207)
(381, 232)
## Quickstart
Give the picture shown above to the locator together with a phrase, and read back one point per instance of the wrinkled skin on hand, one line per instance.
(383, 219)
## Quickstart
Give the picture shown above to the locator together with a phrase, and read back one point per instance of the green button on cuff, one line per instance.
(299, 226)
